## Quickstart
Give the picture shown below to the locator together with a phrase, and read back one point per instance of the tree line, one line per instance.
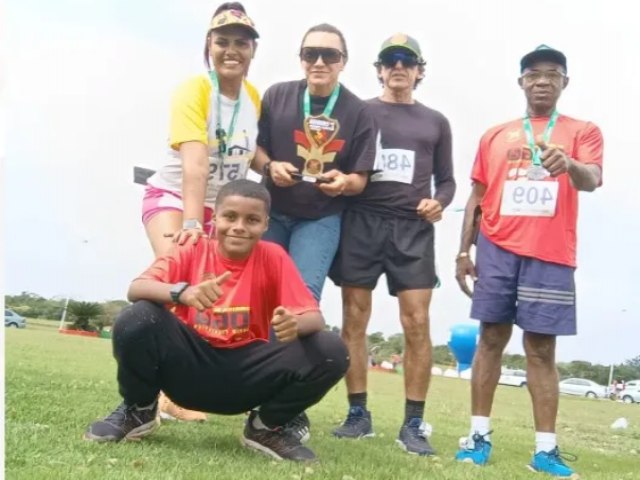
(98, 315)
(89, 316)
(382, 348)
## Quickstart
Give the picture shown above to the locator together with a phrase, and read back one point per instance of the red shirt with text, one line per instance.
(267, 279)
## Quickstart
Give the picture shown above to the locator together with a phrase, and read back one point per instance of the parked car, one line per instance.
(583, 387)
(516, 378)
(631, 392)
(12, 319)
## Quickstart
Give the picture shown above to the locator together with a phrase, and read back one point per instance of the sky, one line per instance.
(85, 97)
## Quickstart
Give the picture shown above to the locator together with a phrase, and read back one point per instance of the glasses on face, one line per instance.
(552, 75)
(390, 60)
(329, 55)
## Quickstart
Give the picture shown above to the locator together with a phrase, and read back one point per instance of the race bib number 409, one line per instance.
(528, 198)
(394, 165)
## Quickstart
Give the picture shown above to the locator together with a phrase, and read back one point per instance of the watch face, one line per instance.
(177, 290)
(191, 224)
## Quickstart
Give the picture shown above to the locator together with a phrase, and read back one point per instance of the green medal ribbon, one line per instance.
(328, 109)
(221, 134)
(528, 130)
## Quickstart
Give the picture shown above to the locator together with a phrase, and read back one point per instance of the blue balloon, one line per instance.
(463, 343)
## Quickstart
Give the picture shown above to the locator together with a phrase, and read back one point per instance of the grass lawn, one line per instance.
(57, 384)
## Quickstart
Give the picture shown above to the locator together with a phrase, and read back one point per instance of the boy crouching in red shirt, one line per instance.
(200, 328)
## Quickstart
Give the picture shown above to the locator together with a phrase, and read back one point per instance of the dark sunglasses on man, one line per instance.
(391, 59)
(329, 55)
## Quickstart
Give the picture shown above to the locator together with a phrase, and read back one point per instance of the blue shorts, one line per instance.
(538, 296)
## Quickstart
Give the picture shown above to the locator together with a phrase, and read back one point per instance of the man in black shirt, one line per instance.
(388, 229)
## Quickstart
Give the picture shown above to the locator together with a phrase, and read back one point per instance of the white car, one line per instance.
(631, 392)
(583, 388)
(516, 378)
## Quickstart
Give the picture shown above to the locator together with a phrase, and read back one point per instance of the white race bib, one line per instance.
(527, 198)
(395, 165)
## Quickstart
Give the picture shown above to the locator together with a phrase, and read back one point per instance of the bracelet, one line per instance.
(462, 255)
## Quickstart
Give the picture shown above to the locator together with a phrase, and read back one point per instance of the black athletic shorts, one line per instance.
(372, 244)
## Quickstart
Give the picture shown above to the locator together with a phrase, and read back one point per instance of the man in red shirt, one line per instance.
(526, 179)
(209, 346)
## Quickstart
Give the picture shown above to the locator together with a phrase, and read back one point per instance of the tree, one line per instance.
(110, 310)
(442, 355)
(82, 313)
(633, 362)
(376, 338)
(514, 361)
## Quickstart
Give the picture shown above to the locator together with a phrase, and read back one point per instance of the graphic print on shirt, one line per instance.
(228, 321)
(234, 164)
(317, 144)
(224, 324)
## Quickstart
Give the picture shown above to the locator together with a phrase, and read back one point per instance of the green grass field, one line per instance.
(57, 384)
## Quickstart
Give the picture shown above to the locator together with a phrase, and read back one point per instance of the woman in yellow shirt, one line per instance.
(212, 138)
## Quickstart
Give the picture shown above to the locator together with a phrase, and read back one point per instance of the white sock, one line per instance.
(257, 423)
(545, 441)
(480, 425)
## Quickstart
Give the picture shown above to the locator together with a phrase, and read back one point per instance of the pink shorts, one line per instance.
(157, 200)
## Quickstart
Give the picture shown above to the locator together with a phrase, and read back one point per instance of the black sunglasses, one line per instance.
(390, 60)
(329, 55)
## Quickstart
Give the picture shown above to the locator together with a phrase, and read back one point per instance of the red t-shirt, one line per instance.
(503, 155)
(267, 279)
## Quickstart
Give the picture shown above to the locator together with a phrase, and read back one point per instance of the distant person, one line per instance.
(212, 141)
(526, 178)
(199, 330)
(389, 229)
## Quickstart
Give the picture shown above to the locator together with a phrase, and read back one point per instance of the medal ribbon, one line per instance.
(221, 135)
(328, 109)
(528, 130)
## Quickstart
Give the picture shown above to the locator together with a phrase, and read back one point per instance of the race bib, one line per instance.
(222, 172)
(394, 165)
(526, 198)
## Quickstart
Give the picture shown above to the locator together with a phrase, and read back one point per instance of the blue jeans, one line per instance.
(312, 244)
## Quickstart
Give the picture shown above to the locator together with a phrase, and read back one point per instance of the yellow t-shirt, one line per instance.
(193, 118)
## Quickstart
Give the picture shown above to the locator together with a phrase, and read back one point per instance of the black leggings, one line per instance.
(156, 351)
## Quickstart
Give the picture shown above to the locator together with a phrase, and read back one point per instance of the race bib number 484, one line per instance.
(528, 198)
(394, 165)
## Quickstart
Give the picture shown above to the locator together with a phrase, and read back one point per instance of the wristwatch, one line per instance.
(462, 255)
(177, 290)
(191, 223)
(266, 169)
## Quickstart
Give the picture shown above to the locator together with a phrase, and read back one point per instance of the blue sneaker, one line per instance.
(357, 424)
(413, 438)
(552, 463)
(475, 450)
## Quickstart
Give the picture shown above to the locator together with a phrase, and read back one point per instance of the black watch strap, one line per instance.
(177, 290)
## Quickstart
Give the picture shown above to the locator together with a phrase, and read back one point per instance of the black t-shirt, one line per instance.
(416, 147)
(283, 135)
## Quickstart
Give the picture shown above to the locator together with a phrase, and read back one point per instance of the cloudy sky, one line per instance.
(85, 97)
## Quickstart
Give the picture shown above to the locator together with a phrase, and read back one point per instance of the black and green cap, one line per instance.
(401, 41)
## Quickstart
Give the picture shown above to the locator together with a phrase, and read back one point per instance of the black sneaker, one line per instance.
(125, 422)
(357, 425)
(278, 443)
(413, 438)
(300, 427)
